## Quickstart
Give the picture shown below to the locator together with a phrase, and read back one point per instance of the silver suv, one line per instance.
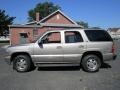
(86, 47)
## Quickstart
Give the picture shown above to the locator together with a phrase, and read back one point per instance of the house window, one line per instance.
(58, 17)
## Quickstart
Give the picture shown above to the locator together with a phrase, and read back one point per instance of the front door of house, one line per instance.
(23, 38)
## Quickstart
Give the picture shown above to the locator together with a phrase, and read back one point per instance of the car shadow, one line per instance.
(59, 68)
(106, 65)
(66, 68)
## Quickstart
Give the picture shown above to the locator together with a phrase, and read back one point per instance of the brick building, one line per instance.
(28, 32)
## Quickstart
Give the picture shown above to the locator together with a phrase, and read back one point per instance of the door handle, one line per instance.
(81, 46)
(59, 47)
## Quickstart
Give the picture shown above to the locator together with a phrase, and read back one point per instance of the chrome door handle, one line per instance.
(59, 47)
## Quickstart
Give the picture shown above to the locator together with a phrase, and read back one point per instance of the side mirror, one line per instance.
(40, 42)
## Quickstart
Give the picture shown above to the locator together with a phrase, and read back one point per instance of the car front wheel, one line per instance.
(22, 63)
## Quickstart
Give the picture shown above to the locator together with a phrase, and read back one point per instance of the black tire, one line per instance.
(22, 63)
(91, 63)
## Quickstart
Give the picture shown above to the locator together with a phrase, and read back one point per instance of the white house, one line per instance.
(114, 32)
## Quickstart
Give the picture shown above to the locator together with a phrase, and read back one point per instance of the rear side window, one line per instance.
(98, 35)
(73, 37)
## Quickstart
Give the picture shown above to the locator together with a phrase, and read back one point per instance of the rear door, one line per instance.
(73, 46)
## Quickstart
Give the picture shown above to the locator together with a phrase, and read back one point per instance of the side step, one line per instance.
(49, 64)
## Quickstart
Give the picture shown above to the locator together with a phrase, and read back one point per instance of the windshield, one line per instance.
(37, 38)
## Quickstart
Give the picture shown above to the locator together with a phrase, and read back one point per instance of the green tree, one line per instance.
(44, 9)
(82, 23)
(5, 20)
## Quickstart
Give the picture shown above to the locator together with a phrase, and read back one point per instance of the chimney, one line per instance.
(37, 16)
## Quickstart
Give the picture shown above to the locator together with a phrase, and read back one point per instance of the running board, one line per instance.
(49, 64)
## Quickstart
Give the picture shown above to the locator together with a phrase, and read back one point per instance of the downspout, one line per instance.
(10, 35)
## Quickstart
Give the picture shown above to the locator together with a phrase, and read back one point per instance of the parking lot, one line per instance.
(61, 78)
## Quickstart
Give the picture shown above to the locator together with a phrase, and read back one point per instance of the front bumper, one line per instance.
(7, 60)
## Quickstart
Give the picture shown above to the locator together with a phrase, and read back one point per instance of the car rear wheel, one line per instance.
(91, 63)
(22, 63)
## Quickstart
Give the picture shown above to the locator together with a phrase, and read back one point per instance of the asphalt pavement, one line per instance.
(61, 78)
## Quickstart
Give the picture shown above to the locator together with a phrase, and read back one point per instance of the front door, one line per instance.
(23, 38)
(49, 49)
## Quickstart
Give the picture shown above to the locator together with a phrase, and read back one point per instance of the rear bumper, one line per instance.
(109, 57)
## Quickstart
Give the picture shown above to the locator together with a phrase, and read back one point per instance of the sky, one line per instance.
(98, 13)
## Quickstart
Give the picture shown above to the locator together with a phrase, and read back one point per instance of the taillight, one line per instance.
(113, 48)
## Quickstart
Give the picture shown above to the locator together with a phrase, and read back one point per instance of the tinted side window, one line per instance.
(73, 37)
(98, 35)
